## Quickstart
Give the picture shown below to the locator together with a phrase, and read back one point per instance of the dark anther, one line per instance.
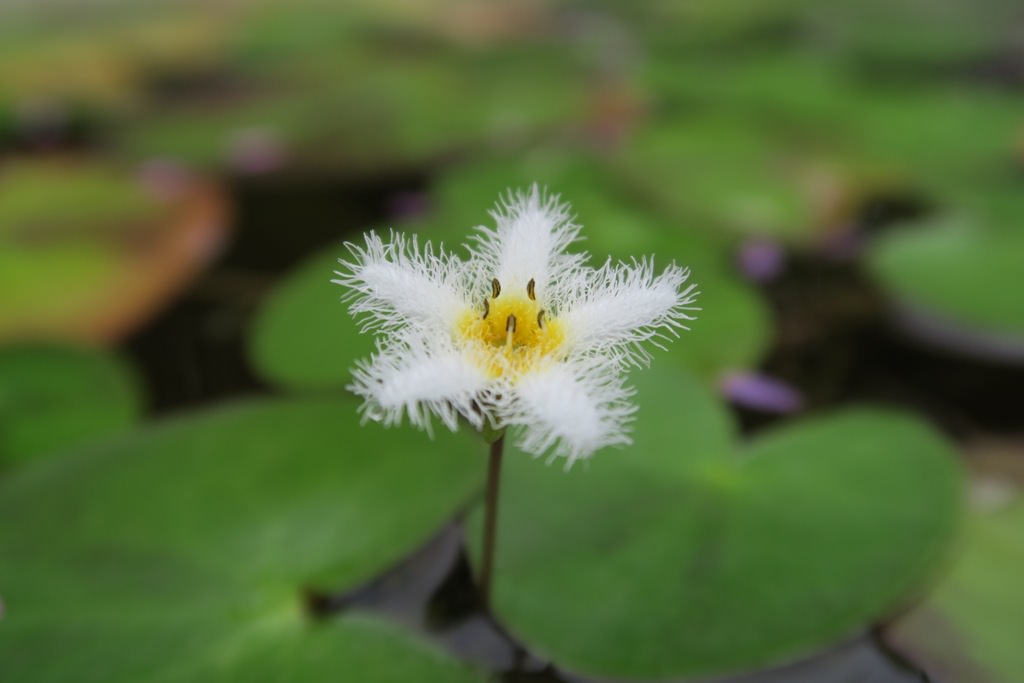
(510, 324)
(530, 287)
(487, 308)
(540, 318)
(495, 288)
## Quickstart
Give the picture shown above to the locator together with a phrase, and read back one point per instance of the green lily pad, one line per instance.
(689, 29)
(956, 272)
(186, 551)
(749, 143)
(269, 33)
(728, 174)
(103, 59)
(56, 398)
(916, 135)
(910, 33)
(65, 68)
(795, 91)
(303, 336)
(966, 630)
(93, 200)
(688, 554)
(96, 263)
(36, 290)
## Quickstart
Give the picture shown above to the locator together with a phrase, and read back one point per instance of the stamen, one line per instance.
(540, 317)
(530, 286)
(510, 330)
(487, 307)
(495, 288)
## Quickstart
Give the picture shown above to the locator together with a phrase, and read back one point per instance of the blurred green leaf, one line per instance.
(796, 92)
(269, 33)
(891, 33)
(39, 286)
(729, 174)
(58, 258)
(56, 398)
(94, 201)
(956, 270)
(966, 630)
(693, 29)
(750, 143)
(917, 136)
(105, 56)
(689, 554)
(303, 336)
(186, 551)
(88, 250)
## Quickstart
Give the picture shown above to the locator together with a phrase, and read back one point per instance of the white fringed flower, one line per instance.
(523, 334)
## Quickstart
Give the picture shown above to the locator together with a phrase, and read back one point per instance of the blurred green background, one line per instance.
(825, 484)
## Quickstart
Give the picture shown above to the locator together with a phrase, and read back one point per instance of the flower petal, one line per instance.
(529, 241)
(618, 306)
(574, 407)
(411, 379)
(396, 284)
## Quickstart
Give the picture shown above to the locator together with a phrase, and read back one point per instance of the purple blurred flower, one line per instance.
(409, 205)
(760, 260)
(163, 178)
(256, 151)
(760, 392)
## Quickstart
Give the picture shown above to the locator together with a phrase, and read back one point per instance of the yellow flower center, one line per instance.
(511, 331)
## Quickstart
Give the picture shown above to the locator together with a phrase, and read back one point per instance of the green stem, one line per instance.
(490, 520)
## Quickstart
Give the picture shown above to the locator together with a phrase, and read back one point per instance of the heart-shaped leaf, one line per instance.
(689, 554)
(185, 552)
(55, 398)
